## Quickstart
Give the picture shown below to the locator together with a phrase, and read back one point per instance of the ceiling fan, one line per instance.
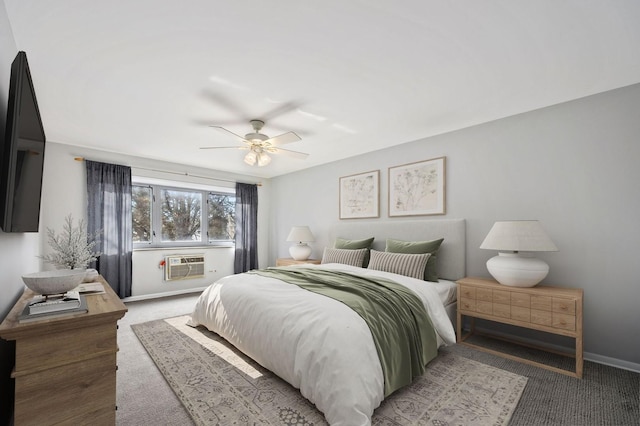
(261, 145)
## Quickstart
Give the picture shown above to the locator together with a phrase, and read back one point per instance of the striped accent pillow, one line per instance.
(344, 256)
(410, 265)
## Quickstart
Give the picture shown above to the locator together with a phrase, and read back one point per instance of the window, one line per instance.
(141, 212)
(167, 216)
(222, 216)
(181, 213)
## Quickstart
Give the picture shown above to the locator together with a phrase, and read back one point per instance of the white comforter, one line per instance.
(315, 343)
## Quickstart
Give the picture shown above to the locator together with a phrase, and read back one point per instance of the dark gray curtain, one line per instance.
(246, 228)
(109, 210)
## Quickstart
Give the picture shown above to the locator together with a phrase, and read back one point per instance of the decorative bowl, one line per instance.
(54, 282)
(90, 275)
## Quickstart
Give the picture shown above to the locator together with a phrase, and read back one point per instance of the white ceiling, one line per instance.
(145, 77)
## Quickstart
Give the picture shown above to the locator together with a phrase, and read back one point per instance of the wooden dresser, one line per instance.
(65, 367)
(553, 310)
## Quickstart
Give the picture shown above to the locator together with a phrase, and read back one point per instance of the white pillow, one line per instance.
(344, 256)
(410, 265)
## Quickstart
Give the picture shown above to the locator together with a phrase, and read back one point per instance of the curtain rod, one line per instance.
(180, 173)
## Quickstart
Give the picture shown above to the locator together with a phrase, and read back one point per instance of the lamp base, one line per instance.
(300, 251)
(517, 269)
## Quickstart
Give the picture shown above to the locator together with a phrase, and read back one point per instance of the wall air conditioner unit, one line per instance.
(184, 267)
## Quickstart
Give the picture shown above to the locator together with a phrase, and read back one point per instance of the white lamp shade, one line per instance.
(515, 268)
(518, 235)
(263, 159)
(300, 234)
(250, 158)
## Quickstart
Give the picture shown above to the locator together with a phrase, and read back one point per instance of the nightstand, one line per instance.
(553, 310)
(287, 261)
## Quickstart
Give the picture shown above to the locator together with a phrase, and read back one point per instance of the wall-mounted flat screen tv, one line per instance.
(22, 154)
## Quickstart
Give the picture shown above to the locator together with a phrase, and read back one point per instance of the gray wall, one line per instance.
(572, 166)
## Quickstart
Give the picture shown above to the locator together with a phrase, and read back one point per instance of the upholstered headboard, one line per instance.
(451, 256)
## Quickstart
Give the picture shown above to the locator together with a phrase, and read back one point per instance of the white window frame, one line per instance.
(157, 186)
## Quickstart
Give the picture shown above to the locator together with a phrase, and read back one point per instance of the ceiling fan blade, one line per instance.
(224, 147)
(199, 122)
(284, 138)
(226, 103)
(240, 138)
(289, 153)
(280, 110)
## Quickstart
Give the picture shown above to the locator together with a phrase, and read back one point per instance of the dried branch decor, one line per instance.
(73, 248)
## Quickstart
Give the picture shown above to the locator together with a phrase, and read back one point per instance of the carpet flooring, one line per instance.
(220, 385)
(605, 396)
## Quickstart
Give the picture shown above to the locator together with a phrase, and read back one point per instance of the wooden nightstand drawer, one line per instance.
(565, 322)
(521, 314)
(467, 292)
(521, 299)
(541, 317)
(484, 294)
(564, 306)
(541, 303)
(502, 311)
(502, 297)
(484, 307)
(468, 304)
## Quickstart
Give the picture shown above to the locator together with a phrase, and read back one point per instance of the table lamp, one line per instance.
(301, 235)
(512, 267)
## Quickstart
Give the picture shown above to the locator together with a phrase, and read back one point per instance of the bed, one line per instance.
(318, 344)
(451, 259)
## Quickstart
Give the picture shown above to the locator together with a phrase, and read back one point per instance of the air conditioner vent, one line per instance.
(184, 267)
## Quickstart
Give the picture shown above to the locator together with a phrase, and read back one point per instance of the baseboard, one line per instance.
(613, 362)
(165, 294)
(588, 356)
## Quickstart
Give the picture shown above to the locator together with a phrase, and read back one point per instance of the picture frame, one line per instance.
(359, 195)
(418, 189)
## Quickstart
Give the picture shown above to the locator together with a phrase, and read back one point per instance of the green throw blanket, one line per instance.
(402, 331)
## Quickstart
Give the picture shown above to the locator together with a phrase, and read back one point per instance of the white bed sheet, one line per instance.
(315, 343)
(447, 290)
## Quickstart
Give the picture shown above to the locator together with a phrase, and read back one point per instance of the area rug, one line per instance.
(219, 385)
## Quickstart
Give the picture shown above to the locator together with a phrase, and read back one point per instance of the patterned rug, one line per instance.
(219, 385)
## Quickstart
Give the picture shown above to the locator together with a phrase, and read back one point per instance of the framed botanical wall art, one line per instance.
(417, 188)
(360, 195)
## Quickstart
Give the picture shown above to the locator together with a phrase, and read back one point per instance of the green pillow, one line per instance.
(342, 243)
(418, 247)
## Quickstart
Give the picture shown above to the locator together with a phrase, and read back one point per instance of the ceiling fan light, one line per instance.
(251, 158)
(263, 160)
